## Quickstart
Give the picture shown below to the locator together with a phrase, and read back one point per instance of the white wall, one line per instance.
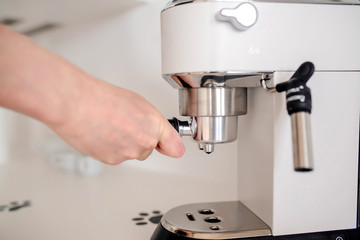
(3, 140)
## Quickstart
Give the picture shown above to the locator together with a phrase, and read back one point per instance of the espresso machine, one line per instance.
(244, 70)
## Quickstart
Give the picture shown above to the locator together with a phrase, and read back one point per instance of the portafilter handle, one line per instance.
(298, 102)
(182, 127)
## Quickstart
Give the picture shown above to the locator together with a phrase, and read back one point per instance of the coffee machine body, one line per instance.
(220, 46)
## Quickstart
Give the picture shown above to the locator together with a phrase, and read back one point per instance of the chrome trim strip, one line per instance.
(217, 79)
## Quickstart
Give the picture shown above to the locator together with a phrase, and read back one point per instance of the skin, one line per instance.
(98, 119)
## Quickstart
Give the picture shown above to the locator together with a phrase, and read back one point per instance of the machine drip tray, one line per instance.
(221, 220)
(228, 220)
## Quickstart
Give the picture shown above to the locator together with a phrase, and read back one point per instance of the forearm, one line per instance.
(98, 119)
(34, 81)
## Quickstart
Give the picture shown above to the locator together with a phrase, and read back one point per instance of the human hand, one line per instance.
(112, 124)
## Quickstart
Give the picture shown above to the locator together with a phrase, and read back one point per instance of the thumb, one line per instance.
(170, 143)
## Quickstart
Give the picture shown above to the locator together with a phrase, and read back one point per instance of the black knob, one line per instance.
(298, 95)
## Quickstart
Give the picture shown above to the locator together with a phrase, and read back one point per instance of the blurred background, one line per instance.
(61, 194)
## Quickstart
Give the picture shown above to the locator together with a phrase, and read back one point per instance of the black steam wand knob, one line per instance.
(299, 105)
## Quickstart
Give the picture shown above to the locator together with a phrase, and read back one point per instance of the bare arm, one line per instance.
(106, 122)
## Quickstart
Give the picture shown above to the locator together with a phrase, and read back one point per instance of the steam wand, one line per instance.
(298, 102)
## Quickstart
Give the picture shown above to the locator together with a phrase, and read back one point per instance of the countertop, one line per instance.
(39, 201)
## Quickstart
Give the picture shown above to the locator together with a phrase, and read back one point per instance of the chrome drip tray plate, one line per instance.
(220, 220)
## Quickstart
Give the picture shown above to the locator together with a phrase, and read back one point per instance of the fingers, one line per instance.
(170, 143)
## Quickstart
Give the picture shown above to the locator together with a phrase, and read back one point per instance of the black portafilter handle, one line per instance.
(175, 123)
(299, 105)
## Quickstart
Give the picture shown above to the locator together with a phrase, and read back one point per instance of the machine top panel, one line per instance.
(174, 3)
(196, 40)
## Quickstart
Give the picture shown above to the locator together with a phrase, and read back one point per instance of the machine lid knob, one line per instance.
(242, 17)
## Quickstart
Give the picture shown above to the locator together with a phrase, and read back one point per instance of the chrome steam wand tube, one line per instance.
(298, 103)
(301, 138)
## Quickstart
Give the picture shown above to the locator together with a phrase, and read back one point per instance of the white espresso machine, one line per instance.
(242, 67)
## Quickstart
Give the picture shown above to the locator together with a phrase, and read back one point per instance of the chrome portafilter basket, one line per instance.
(213, 114)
